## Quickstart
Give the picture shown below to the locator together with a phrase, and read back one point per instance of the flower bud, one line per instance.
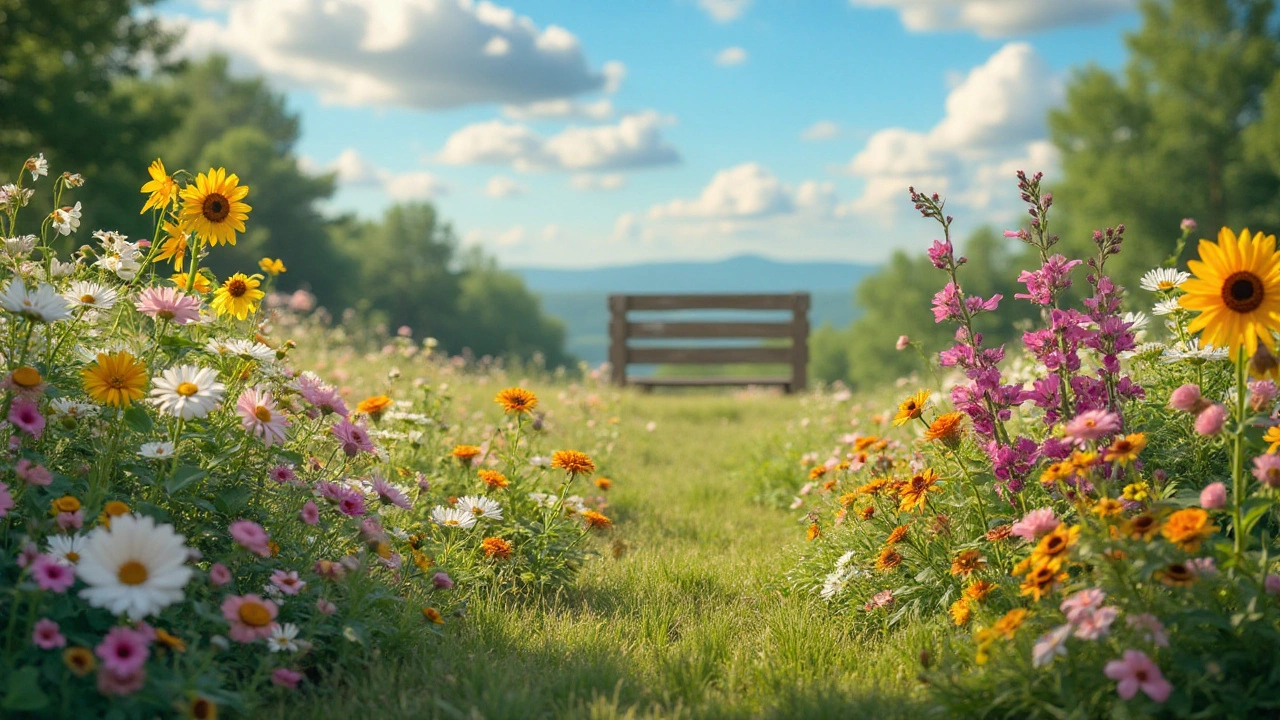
(1213, 496)
(1211, 419)
(1187, 399)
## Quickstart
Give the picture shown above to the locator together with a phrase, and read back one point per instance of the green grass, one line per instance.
(690, 622)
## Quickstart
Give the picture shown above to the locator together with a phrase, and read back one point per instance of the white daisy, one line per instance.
(282, 638)
(21, 246)
(1166, 307)
(59, 269)
(187, 391)
(43, 304)
(66, 220)
(575, 504)
(156, 450)
(481, 507)
(1136, 320)
(37, 166)
(543, 500)
(66, 548)
(72, 408)
(135, 567)
(1193, 351)
(243, 348)
(87, 294)
(1163, 279)
(452, 517)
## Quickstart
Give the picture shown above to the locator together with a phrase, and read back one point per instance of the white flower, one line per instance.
(543, 500)
(244, 348)
(14, 197)
(156, 450)
(1163, 279)
(21, 246)
(187, 391)
(87, 294)
(1051, 644)
(575, 504)
(1193, 351)
(66, 220)
(1136, 320)
(66, 548)
(37, 166)
(452, 517)
(59, 269)
(1166, 307)
(481, 507)
(282, 638)
(134, 567)
(72, 408)
(43, 304)
(540, 461)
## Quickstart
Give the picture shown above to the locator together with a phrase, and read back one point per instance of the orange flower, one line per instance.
(978, 590)
(967, 562)
(946, 428)
(898, 535)
(1042, 580)
(1176, 575)
(960, 611)
(888, 560)
(432, 615)
(1000, 532)
(79, 660)
(603, 483)
(813, 532)
(1125, 450)
(572, 462)
(915, 492)
(1141, 527)
(494, 479)
(517, 400)
(868, 511)
(817, 471)
(595, 520)
(466, 453)
(375, 405)
(496, 548)
(1187, 528)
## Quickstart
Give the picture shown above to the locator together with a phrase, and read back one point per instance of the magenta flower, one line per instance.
(260, 416)
(354, 438)
(1211, 419)
(1267, 469)
(33, 473)
(25, 415)
(47, 635)
(110, 683)
(1135, 671)
(352, 504)
(283, 474)
(286, 678)
(390, 494)
(442, 581)
(166, 303)
(6, 500)
(1036, 523)
(250, 617)
(219, 575)
(288, 582)
(251, 536)
(309, 513)
(70, 520)
(123, 651)
(1272, 584)
(1092, 425)
(52, 575)
(1187, 399)
(1213, 496)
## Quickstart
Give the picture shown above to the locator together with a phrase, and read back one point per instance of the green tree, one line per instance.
(500, 317)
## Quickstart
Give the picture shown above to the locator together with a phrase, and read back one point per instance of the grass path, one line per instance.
(686, 624)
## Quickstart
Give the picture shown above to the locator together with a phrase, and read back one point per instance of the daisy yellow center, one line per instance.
(1165, 285)
(26, 376)
(187, 389)
(254, 614)
(132, 573)
(216, 207)
(451, 521)
(262, 413)
(88, 299)
(237, 288)
(1242, 291)
(72, 557)
(477, 510)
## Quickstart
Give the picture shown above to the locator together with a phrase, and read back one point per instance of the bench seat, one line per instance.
(648, 383)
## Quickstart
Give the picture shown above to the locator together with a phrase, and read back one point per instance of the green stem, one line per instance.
(1238, 478)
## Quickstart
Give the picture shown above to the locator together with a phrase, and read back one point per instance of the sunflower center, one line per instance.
(187, 389)
(254, 614)
(26, 376)
(1243, 292)
(202, 709)
(262, 413)
(216, 207)
(132, 573)
(237, 288)
(1054, 546)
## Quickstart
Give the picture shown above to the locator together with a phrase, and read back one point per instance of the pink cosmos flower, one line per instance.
(1213, 496)
(1051, 644)
(1211, 419)
(286, 678)
(166, 303)
(70, 520)
(236, 609)
(25, 415)
(352, 503)
(283, 474)
(1082, 603)
(1036, 523)
(110, 683)
(47, 635)
(1151, 627)
(288, 582)
(1092, 425)
(123, 651)
(52, 575)
(1095, 624)
(219, 575)
(322, 396)
(6, 500)
(1187, 399)
(251, 536)
(325, 607)
(309, 513)
(1267, 469)
(903, 342)
(354, 438)
(33, 473)
(1135, 671)
(1262, 395)
(390, 494)
(260, 416)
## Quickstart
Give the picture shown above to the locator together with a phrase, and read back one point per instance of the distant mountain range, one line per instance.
(578, 297)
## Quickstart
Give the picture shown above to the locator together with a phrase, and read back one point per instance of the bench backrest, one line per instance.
(623, 329)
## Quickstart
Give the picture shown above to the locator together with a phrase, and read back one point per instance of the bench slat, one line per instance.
(709, 356)
(659, 329)
(708, 302)
(708, 381)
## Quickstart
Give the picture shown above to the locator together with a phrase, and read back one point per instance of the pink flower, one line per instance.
(32, 473)
(1262, 394)
(903, 342)
(1213, 496)
(1135, 671)
(1036, 523)
(325, 607)
(260, 416)
(70, 520)
(282, 474)
(1082, 603)
(110, 683)
(123, 651)
(1272, 584)
(286, 678)
(884, 598)
(250, 617)
(47, 635)
(1188, 225)
(25, 415)
(288, 582)
(1187, 399)
(309, 513)
(390, 494)
(219, 575)
(1203, 566)
(352, 504)
(1049, 645)
(329, 569)
(166, 303)
(1211, 419)
(1154, 629)
(51, 574)
(354, 438)
(6, 500)
(28, 554)
(251, 536)
(1267, 469)
(1092, 425)
(442, 581)
(324, 397)
(1096, 623)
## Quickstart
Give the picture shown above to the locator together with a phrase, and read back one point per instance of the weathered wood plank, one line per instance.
(660, 329)
(709, 302)
(709, 356)
(710, 381)
(618, 339)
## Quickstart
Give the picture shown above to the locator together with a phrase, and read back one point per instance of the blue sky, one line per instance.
(576, 134)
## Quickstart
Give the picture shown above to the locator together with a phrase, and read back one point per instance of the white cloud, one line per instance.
(355, 170)
(743, 191)
(724, 10)
(626, 228)
(411, 53)
(416, 185)
(561, 108)
(731, 56)
(501, 186)
(614, 73)
(998, 18)
(510, 237)
(592, 181)
(1004, 100)
(636, 141)
(820, 130)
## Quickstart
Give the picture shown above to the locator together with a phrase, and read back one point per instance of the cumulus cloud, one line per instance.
(425, 54)
(635, 141)
(355, 170)
(501, 186)
(820, 130)
(998, 18)
(561, 108)
(593, 181)
(731, 56)
(749, 191)
(724, 10)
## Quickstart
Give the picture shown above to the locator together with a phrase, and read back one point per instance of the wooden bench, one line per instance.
(623, 329)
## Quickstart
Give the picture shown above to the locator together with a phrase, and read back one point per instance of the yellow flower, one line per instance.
(79, 660)
(162, 188)
(174, 246)
(115, 379)
(967, 562)
(211, 207)
(203, 284)
(595, 520)
(1108, 507)
(978, 590)
(432, 615)
(239, 296)
(496, 548)
(271, 267)
(1009, 624)
(517, 400)
(911, 408)
(961, 612)
(1187, 528)
(915, 492)
(1052, 548)
(1042, 580)
(888, 560)
(1236, 290)
(1137, 492)
(465, 453)
(1125, 450)
(1272, 437)
(573, 462)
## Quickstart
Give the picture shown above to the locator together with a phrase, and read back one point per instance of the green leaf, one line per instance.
(232, 500)
(24, 691)
(137, 419)
(183, 478)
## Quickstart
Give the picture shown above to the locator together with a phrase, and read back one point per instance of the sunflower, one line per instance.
(1041, 581)
(1052, 548)
(915, 492)
(1187, 528)
(162, 188)
(1141, 527)
(211, 207)
(115, 379)
(911, 408)
(238, 296)
(202, 283)
(516, 400)
(1236, 290)
(1126, 449)
(1108, 507)
(173, 247)
(946, 428)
